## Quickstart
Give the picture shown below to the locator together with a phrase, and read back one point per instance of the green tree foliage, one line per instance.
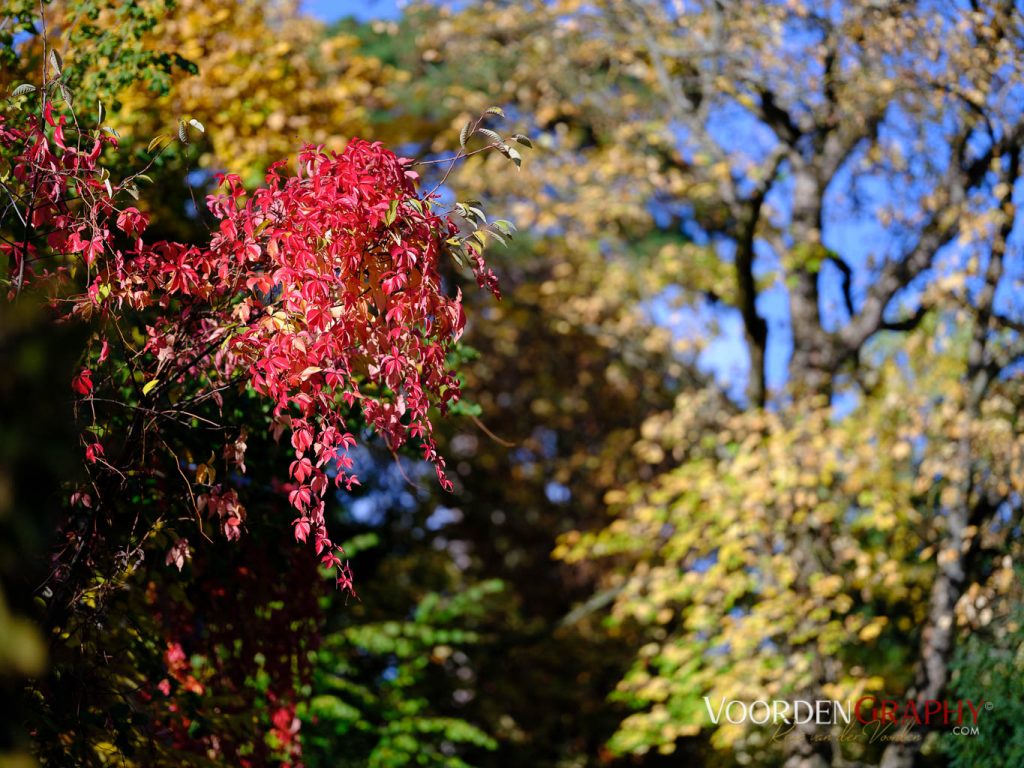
(374, 690)
(989, 665)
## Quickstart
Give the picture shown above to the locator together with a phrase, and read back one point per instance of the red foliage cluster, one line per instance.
(320, 290)
(223, 670)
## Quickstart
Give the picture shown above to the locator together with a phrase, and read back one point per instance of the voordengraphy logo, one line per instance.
(930, 712)
(866, 710)
(777, 711)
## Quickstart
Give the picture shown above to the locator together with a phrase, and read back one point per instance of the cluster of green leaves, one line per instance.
(372, 689)
(113, 55)
(989, 666)
(107, 41)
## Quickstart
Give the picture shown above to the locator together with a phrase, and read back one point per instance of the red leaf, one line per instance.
(301, 528)
(82, 383)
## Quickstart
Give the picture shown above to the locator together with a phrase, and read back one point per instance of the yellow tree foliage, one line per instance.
(269, 80)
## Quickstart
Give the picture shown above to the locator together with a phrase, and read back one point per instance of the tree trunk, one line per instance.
(810, 367)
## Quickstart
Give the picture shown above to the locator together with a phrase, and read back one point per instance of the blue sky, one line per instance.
(332, 10)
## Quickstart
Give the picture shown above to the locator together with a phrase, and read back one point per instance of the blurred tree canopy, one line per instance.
(745, 424)
(830, 187)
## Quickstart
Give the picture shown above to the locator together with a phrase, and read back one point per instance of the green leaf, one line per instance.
(389, 217)
(22, 89)
(332, 708)
(149, 386)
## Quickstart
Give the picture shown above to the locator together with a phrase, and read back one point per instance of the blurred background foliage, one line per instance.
(745, 424)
